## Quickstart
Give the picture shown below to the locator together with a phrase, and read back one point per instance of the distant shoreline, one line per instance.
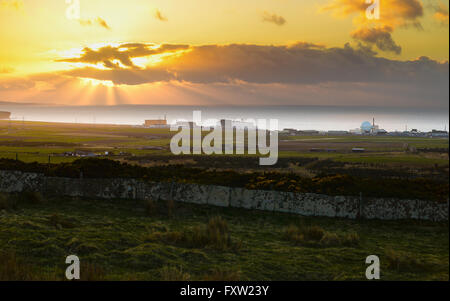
(321, 118)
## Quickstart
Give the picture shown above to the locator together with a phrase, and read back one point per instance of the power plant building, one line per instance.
(5, 115)
(158, 123)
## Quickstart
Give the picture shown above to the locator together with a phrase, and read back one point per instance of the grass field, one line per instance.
(128, 240)
(35, 141)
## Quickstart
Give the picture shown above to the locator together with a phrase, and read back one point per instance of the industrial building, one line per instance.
(5, 115)
(156, 124)
(438, 134)
(368, 128)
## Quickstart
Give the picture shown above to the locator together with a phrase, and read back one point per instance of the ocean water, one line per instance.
(297, 117)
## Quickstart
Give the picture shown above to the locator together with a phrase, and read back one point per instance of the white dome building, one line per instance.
(366, 127)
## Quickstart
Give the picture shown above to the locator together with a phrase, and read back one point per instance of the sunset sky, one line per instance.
(234, 52)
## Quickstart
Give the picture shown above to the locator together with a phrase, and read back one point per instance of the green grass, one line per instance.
(374, 158)
(385, 150)
(122, 240)
(406, 159)
(422, 142)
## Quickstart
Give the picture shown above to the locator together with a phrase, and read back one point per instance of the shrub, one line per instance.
(313, 233)
(330, 240)
(214, 235)
(217, 229)
(173, 274)
(317, 236)
(405, 262)
(217, 234)
(341, 182)
(350, 240)
(58, 221)
(292, 233)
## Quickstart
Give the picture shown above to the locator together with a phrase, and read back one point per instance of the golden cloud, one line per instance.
(378, 36)
(301, 63)
(378, 32)
(12, 4)
(6, 70)
(97, 21)
(300, 73)
(158, 15)
(441, 13)
(123, 53)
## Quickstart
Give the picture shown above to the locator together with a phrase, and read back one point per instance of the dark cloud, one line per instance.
(300, 63)
(273, 18)
(379, 36)
(298, 74)
(123, 53)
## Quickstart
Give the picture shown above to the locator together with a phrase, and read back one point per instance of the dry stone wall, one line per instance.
(307, 204)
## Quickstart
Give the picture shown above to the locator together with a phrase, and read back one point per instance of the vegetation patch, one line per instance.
(324, 183)
(215, 234)
(316, 236)
(407, 262)
(119, 240)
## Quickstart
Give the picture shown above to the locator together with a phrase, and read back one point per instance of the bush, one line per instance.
(351, 240)
(341, 183)
(405, 262)
(214, 235)
(292, 233)
(330, 240)
(317, 236)
(313, 233)
(58, 221)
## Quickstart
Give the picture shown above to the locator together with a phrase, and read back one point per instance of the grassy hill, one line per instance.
(129, 240)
